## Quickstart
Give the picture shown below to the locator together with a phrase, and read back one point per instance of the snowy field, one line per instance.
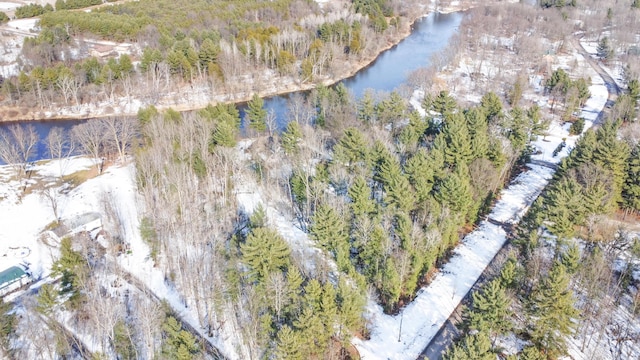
(418, 323)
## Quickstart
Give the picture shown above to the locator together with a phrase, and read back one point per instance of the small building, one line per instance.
(13, 279)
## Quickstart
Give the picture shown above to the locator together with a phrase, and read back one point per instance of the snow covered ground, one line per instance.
(405, 336)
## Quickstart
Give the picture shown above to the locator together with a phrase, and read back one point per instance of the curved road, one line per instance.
(449, 331)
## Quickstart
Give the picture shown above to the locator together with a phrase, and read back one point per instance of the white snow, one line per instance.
(7, 6)
(434, 303)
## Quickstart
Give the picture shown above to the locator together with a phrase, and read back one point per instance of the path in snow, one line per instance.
(407, 334)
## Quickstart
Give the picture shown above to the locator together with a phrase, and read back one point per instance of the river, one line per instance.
(429, 36)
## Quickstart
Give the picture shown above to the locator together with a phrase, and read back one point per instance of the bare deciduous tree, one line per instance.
(90, 138)
(18, 145)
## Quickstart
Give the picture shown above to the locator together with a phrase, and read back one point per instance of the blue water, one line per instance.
(389, 71)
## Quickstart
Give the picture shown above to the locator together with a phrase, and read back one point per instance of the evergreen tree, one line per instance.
(553, 311)
(367, 108)
(455, 192)
(444, 103)
(47, 299)
(312, 294)
(290, 137)
(72, 266)
(604, 50)
(492, 106)
(565, 207)
(360, 195)
(289, 345)
(351, 304)
(265, 252)
(490, 311)
(455, 141)
(294, 292)
(476, 347)
(257, 114)
(421, 170)
(611, 154)
(314, 338)
(478, 132)
(391, 286)
(570, 259)
(329, 230)
(352, 148)
(8, 323)
(224, 135)
(178, 344)
(631, 188)
(531, 353)
(519, 131)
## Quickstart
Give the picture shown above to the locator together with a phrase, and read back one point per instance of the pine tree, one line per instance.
(490, 311)
(290, 138)
(179, 344)
(47, 299)
(565, 207)
(367, 108)
(265, 252)
(478, 132)
(289, 345)
(455, 192)
(631, 188)
(257, 114)
(531, 353)
(553, 311)
(312, 294)
(519, 131)
(492, 106)
(329, 310)
(570, 259)
(351, 303)
(224, 135)
(444, 103)
(611, 154)
(352, 148)
(329, 230)
(8, 323)
(293, 301)
(72, 266)
(604, 50)
(314, 338)
(391, 286)
(476, 347)
(420, 168)
(360, 195)
(455, 140)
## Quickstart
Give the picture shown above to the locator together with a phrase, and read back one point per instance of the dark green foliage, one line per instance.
(178, 344)
(145, 114)
(72, 267)
(490, 311)
(476, 347)
(604, 50)
(256, 114)
(47, 299)
(492, 106)
(290, 137)
(289, 345)
(577, 127)
(557, 3)
(631, 188)
(31, 10)
(552, 307)
(75, 4)
(8, 323)
(352, 149)
(454, 140)
(330, 231)
(3, 17)
(123, 341)
(265, 252)
(455, 191)
(559, 80)
(634, 89)
(443, 103)
(258, 218)
(531, 353)
(360, 195)
(570, 259)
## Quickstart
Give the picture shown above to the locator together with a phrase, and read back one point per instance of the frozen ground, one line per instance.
(406, 335)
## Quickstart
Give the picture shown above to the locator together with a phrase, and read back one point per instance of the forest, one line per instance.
(280, 240)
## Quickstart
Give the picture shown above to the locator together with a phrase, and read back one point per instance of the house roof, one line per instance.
(11, 274)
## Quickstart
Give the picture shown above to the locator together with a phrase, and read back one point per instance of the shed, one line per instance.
(11, 279)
